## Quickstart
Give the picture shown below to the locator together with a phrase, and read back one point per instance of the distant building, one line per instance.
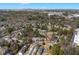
(2, 28)
(7, 38)
(38, 40)
(55, 13)
(73, 15)
(42, 32)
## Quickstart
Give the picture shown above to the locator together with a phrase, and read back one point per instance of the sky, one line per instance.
(39, 5)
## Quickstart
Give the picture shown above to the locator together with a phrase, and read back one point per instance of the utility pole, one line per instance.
(49, 23)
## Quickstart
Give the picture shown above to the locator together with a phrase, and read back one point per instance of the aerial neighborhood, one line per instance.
(39, 32)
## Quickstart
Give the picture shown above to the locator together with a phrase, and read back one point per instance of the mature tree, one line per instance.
(77, 50)
(9, 30)
(55, 50)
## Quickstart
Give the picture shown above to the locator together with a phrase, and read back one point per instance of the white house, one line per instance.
(76, 36)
